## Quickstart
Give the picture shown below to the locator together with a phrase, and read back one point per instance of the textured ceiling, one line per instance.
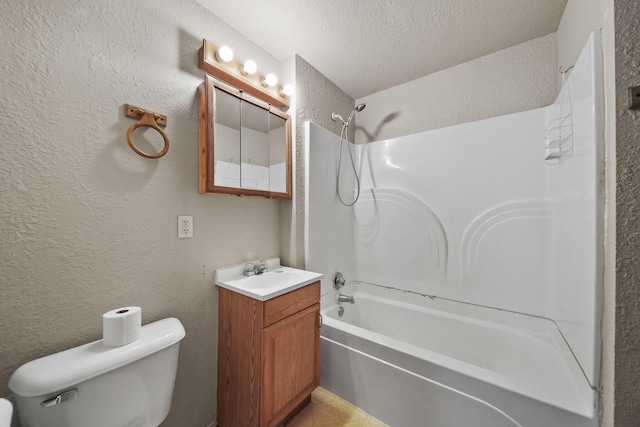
(368, 46)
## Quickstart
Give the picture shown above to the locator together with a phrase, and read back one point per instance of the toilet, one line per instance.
(92, 385)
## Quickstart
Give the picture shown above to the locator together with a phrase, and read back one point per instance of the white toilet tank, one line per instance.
(95, 386)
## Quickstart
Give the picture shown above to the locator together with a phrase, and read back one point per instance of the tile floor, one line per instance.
(328, 410)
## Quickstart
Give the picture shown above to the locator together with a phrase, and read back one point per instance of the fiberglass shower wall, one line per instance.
(475, 213)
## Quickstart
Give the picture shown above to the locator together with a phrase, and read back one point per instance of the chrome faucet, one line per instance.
(345, 298)
(262, 267)
(251, 269)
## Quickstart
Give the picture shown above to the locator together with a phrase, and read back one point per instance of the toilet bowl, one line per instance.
(93, 385)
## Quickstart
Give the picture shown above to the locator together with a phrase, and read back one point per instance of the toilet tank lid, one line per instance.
(59, 371)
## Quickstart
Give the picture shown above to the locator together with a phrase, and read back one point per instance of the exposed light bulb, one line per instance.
(270, 80)
(287, 90)
(224, 54)
(249, 67)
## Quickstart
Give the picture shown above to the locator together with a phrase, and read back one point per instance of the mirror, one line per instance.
(278, 153)
(226, 128)
(245, 144)
(254, 140)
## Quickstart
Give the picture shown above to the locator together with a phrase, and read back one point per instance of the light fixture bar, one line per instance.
(231, 73)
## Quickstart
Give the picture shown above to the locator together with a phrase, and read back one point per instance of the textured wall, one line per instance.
(426, 35)
(86, 225)
(316, 97)
(516, 79)
(580, 18)
(627, 340)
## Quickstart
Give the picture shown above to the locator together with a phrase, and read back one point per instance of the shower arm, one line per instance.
(335, 117)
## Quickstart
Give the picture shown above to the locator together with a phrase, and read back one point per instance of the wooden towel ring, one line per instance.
(147, 119)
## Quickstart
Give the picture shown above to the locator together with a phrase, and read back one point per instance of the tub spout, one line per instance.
(345, 298)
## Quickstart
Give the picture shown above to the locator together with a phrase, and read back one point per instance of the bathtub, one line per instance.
(411, 361)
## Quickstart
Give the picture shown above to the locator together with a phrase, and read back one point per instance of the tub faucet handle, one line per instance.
(338, 280)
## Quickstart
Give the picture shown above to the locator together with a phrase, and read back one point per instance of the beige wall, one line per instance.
(315, 98)
(86, 225)
(627, 278)
(580, 18)
(516, 79)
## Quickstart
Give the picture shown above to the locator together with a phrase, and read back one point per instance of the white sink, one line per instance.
(276, 281)
(270, 279)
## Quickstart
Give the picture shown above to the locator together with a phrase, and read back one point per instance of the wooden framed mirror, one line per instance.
(244, 143)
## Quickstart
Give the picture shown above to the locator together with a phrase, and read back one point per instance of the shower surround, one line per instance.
(471, 221)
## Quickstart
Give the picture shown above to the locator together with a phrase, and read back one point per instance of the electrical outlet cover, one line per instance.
(185, 227)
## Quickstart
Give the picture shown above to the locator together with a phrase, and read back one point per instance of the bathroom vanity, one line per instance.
(268, 346)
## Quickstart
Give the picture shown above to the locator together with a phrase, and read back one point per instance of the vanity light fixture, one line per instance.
(224, 54)
(249, 67)
(269, 80)
(287, 90)
(244, 75)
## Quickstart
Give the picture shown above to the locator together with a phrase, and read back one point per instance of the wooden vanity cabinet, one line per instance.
(268, 356)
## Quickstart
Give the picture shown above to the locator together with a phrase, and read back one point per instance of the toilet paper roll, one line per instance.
(121, 326)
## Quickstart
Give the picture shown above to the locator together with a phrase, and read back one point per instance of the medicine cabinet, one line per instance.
(244, 143)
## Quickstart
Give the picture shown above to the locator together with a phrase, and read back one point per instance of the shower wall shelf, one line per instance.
(558, 134)
(559, 139)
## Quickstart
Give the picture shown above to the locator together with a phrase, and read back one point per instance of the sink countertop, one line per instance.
(278, 280)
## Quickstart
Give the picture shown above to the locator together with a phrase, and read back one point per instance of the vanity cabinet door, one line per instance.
(290, 364)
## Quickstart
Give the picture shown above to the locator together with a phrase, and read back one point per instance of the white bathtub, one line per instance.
(413, 361)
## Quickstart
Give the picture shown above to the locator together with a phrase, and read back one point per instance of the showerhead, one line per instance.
(357, 109)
